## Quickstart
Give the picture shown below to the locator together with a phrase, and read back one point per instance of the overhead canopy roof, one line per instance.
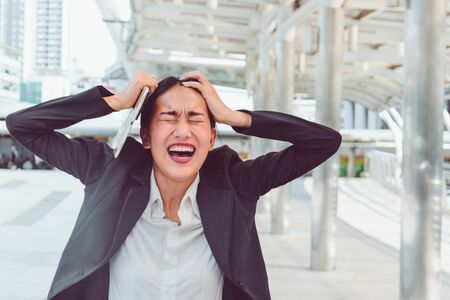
(221, 37)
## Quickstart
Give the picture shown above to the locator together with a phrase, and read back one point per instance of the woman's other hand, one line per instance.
(128, 97)
(219, 110)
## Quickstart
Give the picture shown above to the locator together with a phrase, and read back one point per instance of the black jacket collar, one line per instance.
(215, 200)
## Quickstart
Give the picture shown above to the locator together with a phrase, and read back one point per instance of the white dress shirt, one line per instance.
(161, 260)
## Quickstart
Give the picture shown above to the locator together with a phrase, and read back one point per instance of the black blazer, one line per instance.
(117, 190)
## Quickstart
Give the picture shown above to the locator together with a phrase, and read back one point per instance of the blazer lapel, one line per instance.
(216, 206)
(133, 207)
(139, 161)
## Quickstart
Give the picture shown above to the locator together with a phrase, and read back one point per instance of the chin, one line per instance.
(181, 174)
(179, 171)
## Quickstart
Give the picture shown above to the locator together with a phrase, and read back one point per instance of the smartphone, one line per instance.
(124, 129)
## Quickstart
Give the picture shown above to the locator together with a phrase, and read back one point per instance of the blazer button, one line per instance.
(241, 284)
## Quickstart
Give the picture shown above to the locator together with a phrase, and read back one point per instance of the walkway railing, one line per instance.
(384, 168)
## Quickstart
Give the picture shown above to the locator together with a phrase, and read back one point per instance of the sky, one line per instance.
(90, 41)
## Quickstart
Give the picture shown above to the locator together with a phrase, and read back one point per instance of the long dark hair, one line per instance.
(150, 103)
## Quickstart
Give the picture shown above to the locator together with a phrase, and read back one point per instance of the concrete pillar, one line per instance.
(268, 87)
(253, 91)
(285, 55)
(423, 182)
(263, 98)
(328, 92)
(251, 73)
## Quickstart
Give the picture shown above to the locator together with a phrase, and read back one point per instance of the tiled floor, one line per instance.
(38, 210)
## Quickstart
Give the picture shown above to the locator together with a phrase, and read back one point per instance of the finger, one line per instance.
(145, 78)
(153, 86)
(198, 75)
(188, 75)
(151, 77)
(151, 82)
(194, 84)
(139, 74)
(195, 74)
(142, 77)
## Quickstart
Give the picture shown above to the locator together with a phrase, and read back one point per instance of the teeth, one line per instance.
(181, 148)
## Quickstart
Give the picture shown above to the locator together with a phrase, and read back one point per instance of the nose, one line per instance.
(182, 129)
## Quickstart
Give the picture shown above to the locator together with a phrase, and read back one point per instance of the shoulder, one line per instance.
(219, 161)
(223, 155)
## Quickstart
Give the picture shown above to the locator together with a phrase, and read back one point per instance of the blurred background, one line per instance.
(373, 222)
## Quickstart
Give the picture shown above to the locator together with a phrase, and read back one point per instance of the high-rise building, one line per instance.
(50, 46)
(12, 27)
(49, 37)
(11, 49)
(33, 49)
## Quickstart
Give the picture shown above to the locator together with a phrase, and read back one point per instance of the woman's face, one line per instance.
(180, 134)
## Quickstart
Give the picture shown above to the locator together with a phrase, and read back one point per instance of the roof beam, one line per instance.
(219, 31)
(164, 10)
(164, 59)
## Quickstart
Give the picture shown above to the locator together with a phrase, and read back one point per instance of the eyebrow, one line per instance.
(174, 113)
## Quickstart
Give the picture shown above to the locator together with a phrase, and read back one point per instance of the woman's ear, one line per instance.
(212, 141)
(145, 137)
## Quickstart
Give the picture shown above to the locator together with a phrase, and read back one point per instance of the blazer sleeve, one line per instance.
(312, 144)
(34, 127)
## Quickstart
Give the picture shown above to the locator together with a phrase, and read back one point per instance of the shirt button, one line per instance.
(241, 284)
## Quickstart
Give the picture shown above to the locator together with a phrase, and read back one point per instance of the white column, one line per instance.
(285, 51)
(423, 182)
(264, 98)
(328, 90)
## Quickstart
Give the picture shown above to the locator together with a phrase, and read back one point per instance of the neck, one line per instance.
(171, 191)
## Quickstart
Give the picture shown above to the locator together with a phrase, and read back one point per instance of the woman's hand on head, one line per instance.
(128, 97)
(218, 109)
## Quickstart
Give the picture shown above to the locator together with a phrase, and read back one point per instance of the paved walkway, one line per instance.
(375, 210)
(38, 210)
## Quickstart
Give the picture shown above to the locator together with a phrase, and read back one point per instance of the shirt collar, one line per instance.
(191, 192)
(154, 190)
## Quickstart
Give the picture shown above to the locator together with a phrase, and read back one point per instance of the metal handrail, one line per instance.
(384, 168)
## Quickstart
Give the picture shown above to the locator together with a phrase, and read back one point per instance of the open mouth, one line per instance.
(181, 152)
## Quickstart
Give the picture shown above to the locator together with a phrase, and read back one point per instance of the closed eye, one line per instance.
(175, 120)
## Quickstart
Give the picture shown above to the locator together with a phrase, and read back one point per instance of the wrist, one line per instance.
(238, 119)
(112, 102)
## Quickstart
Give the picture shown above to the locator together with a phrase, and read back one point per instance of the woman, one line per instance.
(170, 218)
